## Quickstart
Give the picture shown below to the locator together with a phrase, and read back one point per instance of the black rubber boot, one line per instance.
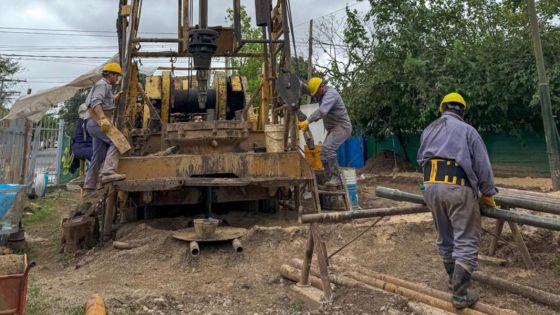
(461, 296)
(449, 268)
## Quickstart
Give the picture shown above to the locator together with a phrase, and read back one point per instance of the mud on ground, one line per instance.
(158, 277)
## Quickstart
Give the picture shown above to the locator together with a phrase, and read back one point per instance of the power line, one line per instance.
(327, 14)
(57, 57)
(71, 30)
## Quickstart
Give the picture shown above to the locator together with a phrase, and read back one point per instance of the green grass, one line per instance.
(36, 212)
(38, 304)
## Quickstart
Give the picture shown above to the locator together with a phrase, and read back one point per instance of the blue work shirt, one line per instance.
(332, 111)
(450, 137)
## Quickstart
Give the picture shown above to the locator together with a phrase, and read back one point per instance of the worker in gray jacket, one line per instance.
(336, 121)
(101, 104)
(456, 171)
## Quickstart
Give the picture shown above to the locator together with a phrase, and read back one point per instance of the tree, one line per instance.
(417, 51)
(69, 110)
(8, 67)
(248, 67)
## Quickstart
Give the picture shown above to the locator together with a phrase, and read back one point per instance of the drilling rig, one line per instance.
(197, 141)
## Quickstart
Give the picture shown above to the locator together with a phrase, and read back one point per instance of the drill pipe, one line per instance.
(479, 306)
(341, 216)
(353, 279)
(194, 249)
(506, 215)
(237, 246)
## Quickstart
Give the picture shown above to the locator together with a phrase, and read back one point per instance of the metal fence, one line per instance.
(46, 150)
(14, 144)
(29, 150)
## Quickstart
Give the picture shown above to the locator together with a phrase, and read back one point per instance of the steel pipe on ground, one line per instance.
(357, 280)
(360, 214)
(237, 246)
(528, 292)
(506, 215)
(479, 306)
(194, 249)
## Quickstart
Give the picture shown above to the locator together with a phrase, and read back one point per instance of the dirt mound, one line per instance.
(384, 162)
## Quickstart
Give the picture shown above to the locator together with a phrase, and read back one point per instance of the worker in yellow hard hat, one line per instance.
(101, 106)
(336, 121)
(457, 171)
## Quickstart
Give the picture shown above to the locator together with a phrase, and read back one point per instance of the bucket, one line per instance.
(351, 185)
(205, 228)
(8, 194)
(313, 157)
(329, 202)
(274, 134)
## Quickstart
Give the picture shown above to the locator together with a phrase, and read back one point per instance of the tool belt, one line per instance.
(441, 171)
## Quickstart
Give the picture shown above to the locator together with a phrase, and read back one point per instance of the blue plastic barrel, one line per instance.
(8, 194)
(341, 154)
(354, 147)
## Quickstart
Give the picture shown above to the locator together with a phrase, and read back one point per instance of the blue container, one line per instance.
(353, 192)
(354, 147)
(341, 155)
(8, 194)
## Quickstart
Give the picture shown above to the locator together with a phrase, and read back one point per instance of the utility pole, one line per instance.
(4, 94)
(310, 54)
(550, 130)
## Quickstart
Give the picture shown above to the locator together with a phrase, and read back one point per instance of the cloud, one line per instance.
(158, 16)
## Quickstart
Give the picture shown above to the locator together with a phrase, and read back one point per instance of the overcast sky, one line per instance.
(23, 24)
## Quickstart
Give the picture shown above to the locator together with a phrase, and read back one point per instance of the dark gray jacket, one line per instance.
(449, 137)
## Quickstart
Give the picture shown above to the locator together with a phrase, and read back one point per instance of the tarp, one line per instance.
(35, 106)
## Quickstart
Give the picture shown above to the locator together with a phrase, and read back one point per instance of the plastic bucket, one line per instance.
(274, 134)
(332, 202)
(313, 157)
(8, 194)
(351, 185)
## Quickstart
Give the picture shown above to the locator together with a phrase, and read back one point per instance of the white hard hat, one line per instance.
(83, 111)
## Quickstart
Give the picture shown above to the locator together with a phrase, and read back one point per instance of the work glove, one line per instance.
(104, 124)
(303, 125)
(488, 201)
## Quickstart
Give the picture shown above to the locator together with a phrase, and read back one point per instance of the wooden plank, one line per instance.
(322, 261)
(529, 264)
(119, 140)
(497, 233)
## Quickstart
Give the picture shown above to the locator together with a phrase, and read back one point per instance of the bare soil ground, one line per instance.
(159, 277)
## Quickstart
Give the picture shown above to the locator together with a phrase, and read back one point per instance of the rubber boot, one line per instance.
(334, 179)
(111, 177)
(449, 268)
(461, 281)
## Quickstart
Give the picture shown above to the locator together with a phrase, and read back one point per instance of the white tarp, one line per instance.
(317, 128)
(34, 106)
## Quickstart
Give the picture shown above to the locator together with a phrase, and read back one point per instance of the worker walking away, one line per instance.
(336, 121)
(101, 104)
(456, 171)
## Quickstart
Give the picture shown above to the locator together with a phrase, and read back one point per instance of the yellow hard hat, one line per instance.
(452, 98)
(314, 84)
(113, 67)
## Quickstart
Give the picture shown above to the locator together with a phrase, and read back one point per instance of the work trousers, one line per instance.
(335, 138)
(456, 214)
(105, 155)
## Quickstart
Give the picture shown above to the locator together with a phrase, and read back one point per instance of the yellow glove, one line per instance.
(104, 124)
(303, 125)
(488, 201)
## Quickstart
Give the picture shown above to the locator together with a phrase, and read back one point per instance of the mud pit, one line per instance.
(159, 277)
